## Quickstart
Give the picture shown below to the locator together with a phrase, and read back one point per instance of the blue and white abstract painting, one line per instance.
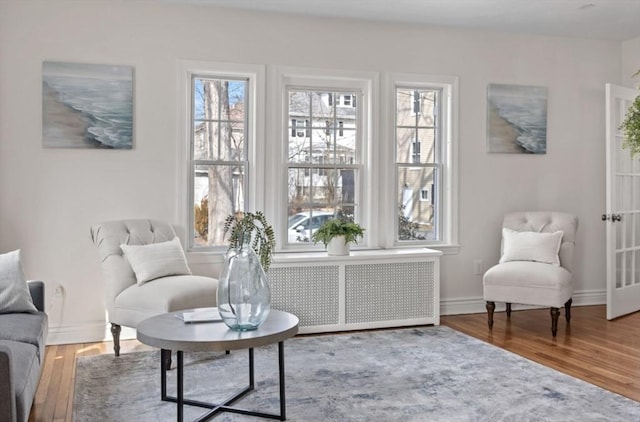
(517, 119)
(87, 106)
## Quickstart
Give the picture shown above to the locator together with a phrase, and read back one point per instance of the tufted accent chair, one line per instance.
(531, 282)
(127, 302)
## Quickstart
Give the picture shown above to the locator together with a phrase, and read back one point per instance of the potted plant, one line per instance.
(243, 294)
(251, 229)
(631, 126)
(336, 234)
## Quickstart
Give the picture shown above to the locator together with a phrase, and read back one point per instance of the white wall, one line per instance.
(630, 63)
(49, 198)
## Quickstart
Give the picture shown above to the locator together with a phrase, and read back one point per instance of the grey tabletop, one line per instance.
(166, 331)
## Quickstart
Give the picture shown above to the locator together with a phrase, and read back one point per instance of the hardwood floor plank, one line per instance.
(603, 353)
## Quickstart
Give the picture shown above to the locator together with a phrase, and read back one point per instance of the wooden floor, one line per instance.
(604, 353)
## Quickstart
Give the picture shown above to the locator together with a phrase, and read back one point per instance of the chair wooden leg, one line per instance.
(508, 310)
(555, 313)
(567, 310)
(491, 306)
(115, 332)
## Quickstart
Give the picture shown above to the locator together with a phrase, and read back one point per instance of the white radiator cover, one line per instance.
(368, 289)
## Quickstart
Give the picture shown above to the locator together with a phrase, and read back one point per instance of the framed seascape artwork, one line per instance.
(87, 106)
(517, 119)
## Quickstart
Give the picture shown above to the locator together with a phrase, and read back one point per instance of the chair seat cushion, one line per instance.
(166, 294)
(530, 283)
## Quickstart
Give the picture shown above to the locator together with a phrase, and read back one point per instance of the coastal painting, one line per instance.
(87, 106)
(517, 119)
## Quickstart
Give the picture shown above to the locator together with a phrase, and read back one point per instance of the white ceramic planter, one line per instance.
(338, 247)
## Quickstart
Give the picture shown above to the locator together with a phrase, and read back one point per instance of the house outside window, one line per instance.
(425, 181)
(322, 168)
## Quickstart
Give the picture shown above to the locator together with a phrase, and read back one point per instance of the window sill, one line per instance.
(363, 254)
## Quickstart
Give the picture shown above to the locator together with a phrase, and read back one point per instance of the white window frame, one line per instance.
(366, 83)
(448, 201)
(255, 74)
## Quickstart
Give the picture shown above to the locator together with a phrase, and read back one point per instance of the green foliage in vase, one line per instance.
(251, 229)
(631, 126)
(338, 227)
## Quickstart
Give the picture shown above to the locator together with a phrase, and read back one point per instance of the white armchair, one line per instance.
(134, 296)
(536, 264)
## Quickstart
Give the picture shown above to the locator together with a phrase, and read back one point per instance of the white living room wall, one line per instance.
(50, 197)
(630, 63)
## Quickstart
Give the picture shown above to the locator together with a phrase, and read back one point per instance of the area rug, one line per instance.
(413, 374)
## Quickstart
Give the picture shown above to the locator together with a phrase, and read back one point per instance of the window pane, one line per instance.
(415, 145)
(416, 107)
(302, 224)
(321, 192)
(416, 208)
(218, 192)
(320, 130)
(219, 119)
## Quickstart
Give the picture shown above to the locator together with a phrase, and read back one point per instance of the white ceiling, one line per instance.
(597, 19)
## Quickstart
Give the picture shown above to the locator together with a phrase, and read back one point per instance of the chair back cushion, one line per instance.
(117, 273)
(547, 222)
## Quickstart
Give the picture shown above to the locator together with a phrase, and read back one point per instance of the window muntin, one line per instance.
(418, 163)
(219, 159)
(322, 168)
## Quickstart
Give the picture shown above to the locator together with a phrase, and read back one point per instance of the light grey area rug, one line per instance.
(413, 374)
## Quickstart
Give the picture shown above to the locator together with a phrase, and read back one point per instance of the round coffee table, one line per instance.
(168, 332)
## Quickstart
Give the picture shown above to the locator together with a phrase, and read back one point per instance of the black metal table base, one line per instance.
(225, 406)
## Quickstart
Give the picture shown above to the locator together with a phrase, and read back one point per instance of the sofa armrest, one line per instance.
(7, 395)
(36, 288)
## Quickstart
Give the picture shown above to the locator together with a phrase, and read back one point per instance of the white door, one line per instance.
(623, 210)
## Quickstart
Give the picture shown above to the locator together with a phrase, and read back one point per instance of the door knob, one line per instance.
(616, 217)
(605, 217)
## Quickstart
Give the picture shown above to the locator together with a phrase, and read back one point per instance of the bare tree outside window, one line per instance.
(219, 155)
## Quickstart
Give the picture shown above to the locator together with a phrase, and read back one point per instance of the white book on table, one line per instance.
(200, 315)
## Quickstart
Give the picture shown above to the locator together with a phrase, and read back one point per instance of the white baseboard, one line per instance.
(101, 331)
(476, 305)
(89, 332)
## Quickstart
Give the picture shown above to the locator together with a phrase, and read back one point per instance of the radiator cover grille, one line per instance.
(310, 293)
(387, 292)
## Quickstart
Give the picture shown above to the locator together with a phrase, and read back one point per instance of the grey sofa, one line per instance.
(22, 347)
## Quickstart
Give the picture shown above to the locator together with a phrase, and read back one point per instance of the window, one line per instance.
(319, 179)
(424, 195)
(325, 172)
(219, 154)
(424, 154)
(219, 168)
(322, 157)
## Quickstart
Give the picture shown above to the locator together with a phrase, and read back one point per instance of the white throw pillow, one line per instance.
(14, 292)
(156, 260)
(531, 246)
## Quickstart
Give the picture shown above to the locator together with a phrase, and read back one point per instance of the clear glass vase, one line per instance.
(244, 296)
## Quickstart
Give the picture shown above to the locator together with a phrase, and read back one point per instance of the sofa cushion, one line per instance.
(24, 374)
(14, 292)
(25, 328)
(156, 260)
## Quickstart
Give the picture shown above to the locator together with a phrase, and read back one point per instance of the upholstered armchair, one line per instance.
(536, 264)
(146, 273)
